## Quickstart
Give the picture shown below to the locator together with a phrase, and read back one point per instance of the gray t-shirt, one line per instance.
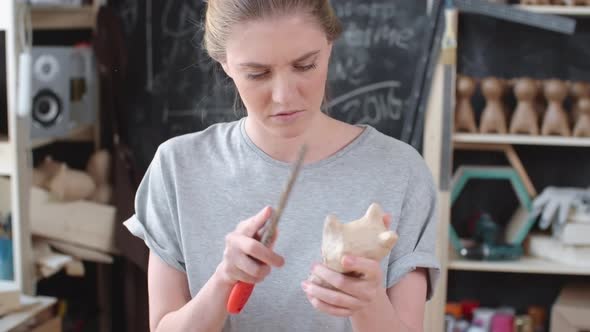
(200, 185)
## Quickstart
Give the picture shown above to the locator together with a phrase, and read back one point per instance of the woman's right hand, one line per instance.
(245, 258)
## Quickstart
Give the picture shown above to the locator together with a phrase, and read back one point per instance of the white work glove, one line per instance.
(554, 204)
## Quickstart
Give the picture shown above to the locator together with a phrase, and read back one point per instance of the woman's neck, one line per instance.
(323, 138)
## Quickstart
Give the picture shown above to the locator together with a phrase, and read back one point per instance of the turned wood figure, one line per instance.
(571, 2)
(582, 126)
(535, 2)
(464, 116)
(540, 102)
(493, 117)
(555, 121)
(366, 237)
(556, 2)
(578, 91)
(525, 117)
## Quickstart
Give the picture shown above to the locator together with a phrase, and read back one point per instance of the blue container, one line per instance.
(6, 260)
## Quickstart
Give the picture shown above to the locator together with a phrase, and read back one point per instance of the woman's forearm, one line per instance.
(379, 316)
(205, 312)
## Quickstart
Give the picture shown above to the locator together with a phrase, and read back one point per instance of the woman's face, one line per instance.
(279, 66)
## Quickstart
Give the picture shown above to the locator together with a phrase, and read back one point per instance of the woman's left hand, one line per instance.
(351, 294)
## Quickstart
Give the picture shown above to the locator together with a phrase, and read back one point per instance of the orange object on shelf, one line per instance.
(454, 309)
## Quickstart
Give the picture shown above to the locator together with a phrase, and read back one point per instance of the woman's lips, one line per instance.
(287, 116)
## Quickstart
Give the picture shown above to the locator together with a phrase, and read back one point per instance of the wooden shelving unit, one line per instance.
(521, 140)
(527, 264)
(74, 18)
(437, 133)
(559, 10)
(12, 159)
(15, 150)
(61, 18)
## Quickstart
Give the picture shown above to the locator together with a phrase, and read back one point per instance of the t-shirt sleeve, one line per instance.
(155, 220)
(416, 244)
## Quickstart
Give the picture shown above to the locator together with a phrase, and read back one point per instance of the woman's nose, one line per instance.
(284, 90)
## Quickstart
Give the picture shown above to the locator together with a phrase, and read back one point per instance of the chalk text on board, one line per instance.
(370, 104)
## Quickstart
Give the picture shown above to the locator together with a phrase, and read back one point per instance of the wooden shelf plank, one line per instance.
(79, 134)
(5, 157)
(35, 306)
(46, 18)
(558, 10)
(521, 140)
(527, 264)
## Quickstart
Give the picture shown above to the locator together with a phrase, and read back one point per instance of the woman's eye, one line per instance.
(257, 76)
(306, 68)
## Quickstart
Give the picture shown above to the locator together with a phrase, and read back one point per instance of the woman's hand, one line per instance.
(350, 293)
(245, 258)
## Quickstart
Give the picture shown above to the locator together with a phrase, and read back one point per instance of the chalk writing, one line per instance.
(370, 104)
(177, 26)
(379, 11)
(129, 15)
(351, 68)
(381, 35)
(178, 19)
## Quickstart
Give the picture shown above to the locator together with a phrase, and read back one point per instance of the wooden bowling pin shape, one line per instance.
(555, 121)
(525, 118)
(493, 117)
(535, 2)
(464, 116)
(578, 91)
(582, 127)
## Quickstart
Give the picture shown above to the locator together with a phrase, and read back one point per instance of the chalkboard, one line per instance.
(376, 75)
(490, 46)
(377, 64)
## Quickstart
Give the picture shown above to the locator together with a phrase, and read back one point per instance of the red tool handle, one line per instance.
(238, 297)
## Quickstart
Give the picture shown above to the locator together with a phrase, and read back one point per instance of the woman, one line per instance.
(204, 195)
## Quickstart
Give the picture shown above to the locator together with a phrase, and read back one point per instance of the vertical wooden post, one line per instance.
(438, 155)
(18, 127)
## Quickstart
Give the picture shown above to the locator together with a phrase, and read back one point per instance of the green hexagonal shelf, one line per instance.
(466, 173)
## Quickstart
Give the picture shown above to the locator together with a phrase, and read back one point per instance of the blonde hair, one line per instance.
(222, 15)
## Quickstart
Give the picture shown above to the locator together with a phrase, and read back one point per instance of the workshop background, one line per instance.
(495, 95)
